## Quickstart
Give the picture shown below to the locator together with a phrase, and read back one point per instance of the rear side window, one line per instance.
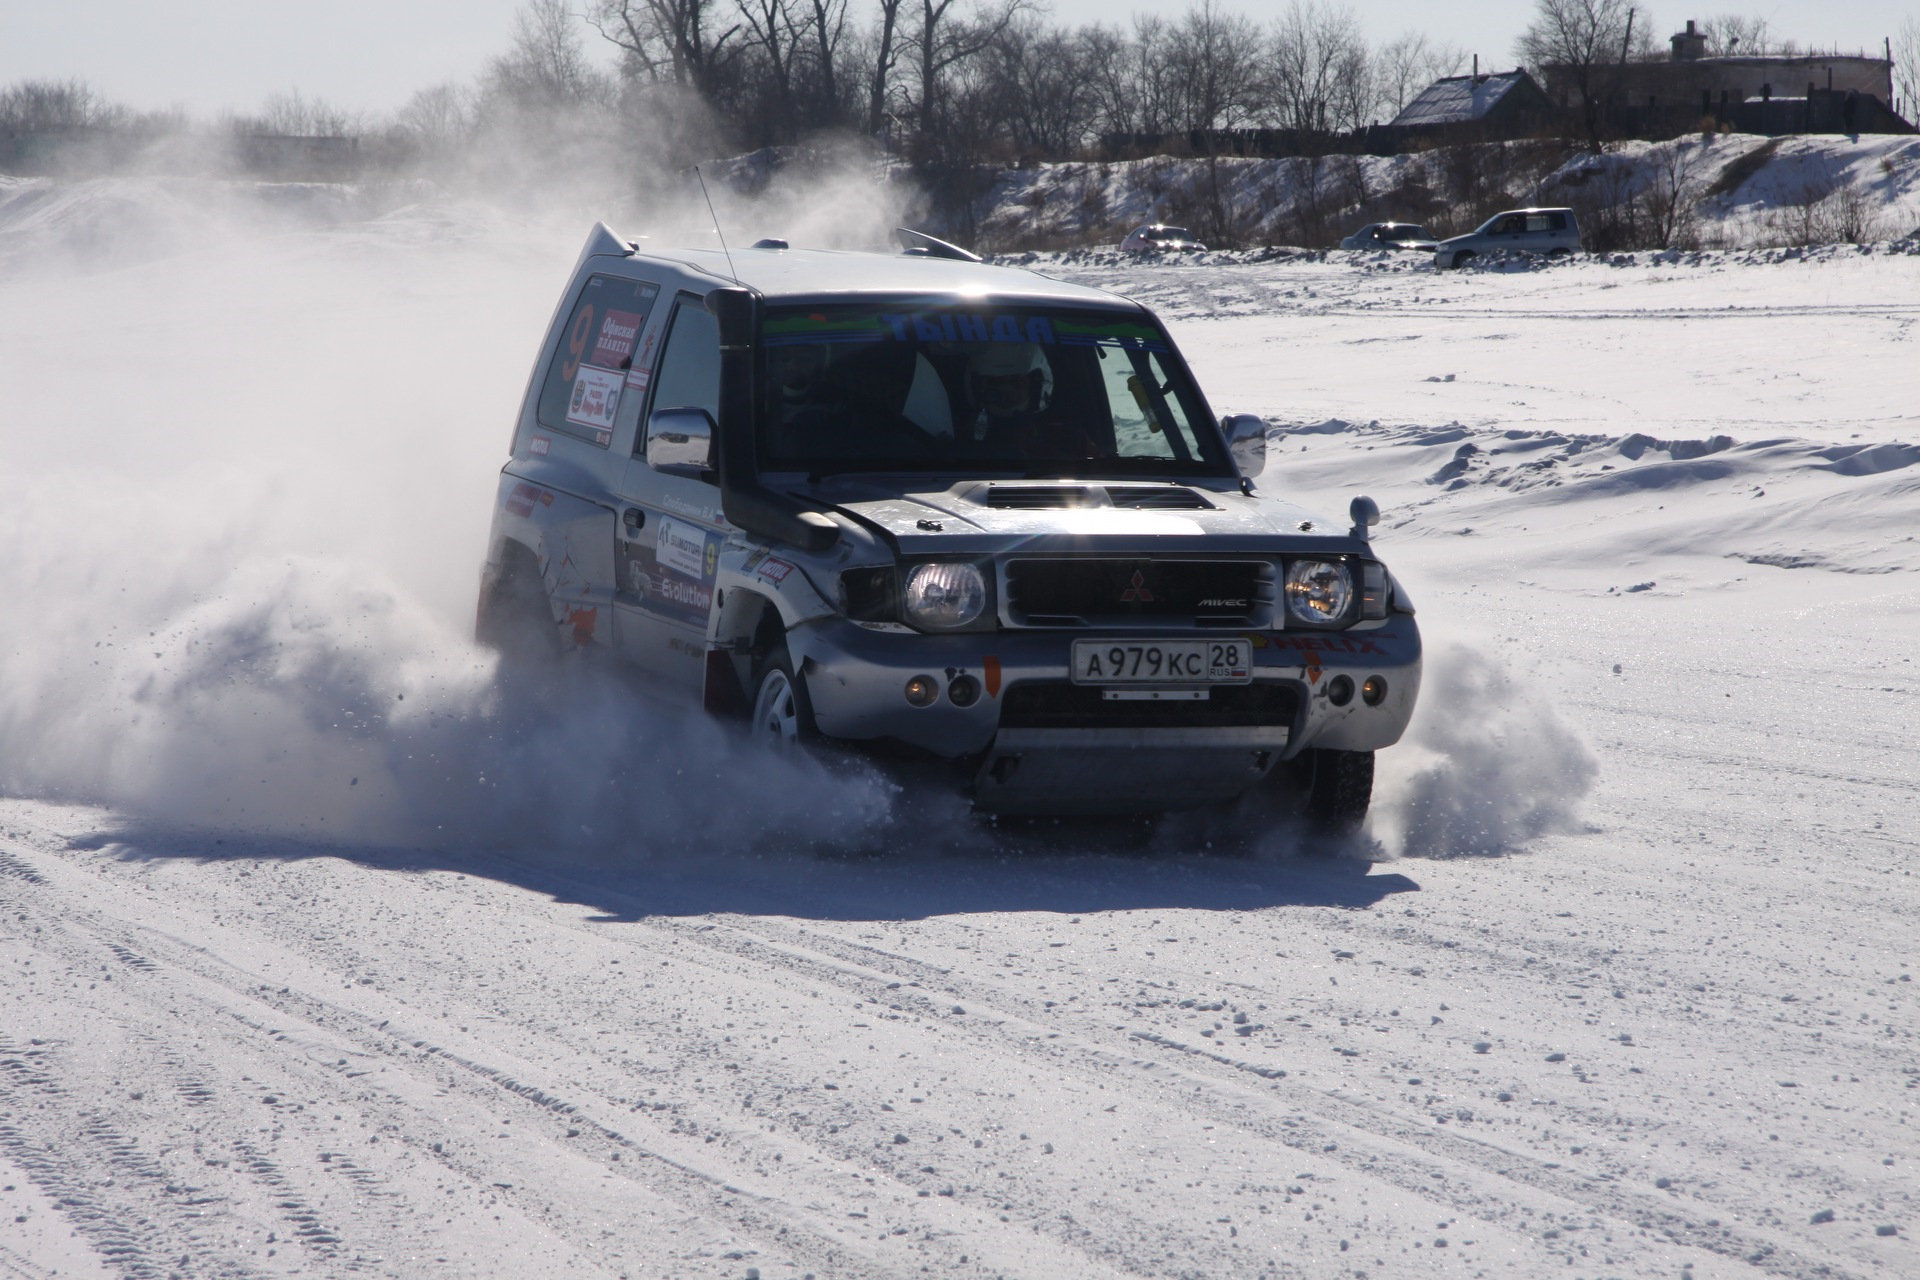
(689, 371)
(1539, 222)
(1558, 221)
(590, 370)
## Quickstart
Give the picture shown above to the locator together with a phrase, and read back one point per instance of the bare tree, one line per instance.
(887, 42)
(1407, 64)
(1214, 63)
(1668, 203)
(772, 34)
(1735, 35)
(546, 61)
(946, 38)
(293, 115)
(1581, 44)
(683, 42)
(1314, 50)
(32, 106)
(1906, 67)
(1049, 100)
(1213, 68)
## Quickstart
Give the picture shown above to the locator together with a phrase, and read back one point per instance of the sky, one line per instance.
(210, 55)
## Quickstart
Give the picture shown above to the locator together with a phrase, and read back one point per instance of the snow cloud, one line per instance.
(1488, 762)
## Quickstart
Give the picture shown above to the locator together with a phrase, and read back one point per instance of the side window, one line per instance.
(584, 383)
(1558, 221)
(1537, 222)
(688, 375)
(1147, 422)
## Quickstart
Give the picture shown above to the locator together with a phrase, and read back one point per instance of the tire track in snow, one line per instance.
(65, 1161)
(1410, 1157)
(698, 1190)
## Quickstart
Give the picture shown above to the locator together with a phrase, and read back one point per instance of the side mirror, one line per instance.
(1246, 435)
(1365, 513)
(680, 442)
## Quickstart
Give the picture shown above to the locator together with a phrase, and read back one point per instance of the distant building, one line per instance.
(1799, 93)
(1505, 105)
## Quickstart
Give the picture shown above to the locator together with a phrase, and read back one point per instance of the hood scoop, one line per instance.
(1137, 497)
(1142, 497)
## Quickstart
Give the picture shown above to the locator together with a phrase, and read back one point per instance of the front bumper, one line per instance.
(1071, 742)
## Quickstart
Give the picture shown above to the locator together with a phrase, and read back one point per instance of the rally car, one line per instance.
(935, 509)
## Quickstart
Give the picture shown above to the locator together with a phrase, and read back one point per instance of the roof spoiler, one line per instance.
(602, 242)
(919, 244)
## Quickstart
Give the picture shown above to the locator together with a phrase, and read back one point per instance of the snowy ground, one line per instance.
(1623, 988)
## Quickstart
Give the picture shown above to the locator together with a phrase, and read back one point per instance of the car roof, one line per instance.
(798, 274)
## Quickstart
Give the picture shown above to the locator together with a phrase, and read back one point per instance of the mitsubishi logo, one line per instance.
(1138, 591)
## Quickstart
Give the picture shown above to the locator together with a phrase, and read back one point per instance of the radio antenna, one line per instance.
(716, 224)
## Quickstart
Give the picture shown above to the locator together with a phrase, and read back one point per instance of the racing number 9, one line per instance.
(577, 342)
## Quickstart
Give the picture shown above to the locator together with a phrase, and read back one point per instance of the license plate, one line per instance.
(1162, 662)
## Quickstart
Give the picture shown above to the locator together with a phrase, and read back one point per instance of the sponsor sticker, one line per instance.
(638, 377)
(596, 395)
(540, 445)
(613, 347)
(774, 570)
(681, 547)
(520, 501)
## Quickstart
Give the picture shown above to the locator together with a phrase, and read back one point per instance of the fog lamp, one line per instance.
(1374, 691)
(1340, 690)
(922, 691)
(963, 691)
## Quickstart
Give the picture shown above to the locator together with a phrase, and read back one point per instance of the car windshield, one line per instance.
(951, 385)
(1169, 233)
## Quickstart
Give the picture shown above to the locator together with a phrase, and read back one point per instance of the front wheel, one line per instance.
(782, 713)
(1463, 257)
(1339, 787)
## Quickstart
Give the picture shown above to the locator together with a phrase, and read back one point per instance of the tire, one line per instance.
(1562, 252)
(1463, 257)
(782, 717)
(514, 617)
(1339, 787)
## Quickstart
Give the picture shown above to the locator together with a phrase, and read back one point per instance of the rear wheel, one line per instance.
(1561, 252)
(514, 617)
(782, 714)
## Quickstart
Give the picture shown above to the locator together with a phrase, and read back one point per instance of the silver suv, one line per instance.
(940, 509)
(1553, 232)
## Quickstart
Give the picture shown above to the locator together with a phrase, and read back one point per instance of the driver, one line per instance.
(1013, 385)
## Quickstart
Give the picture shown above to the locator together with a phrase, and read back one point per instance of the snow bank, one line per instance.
(1751, 191)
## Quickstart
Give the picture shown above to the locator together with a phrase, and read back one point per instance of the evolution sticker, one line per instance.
(673, 575)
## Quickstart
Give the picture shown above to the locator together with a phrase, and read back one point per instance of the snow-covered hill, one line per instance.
(1739, 190)
(325, 955)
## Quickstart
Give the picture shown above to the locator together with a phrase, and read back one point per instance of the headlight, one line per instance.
(1318, 591)
(945, 595)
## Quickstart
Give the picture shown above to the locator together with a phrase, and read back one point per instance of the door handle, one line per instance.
(633, 519)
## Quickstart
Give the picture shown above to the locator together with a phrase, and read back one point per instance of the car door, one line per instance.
(667, 540)
(557, 492)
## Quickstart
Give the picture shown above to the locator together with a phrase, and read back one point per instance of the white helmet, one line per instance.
(1011, 359)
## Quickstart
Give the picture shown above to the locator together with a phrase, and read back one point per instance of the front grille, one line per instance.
(1087, 592)
(1060, 704)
